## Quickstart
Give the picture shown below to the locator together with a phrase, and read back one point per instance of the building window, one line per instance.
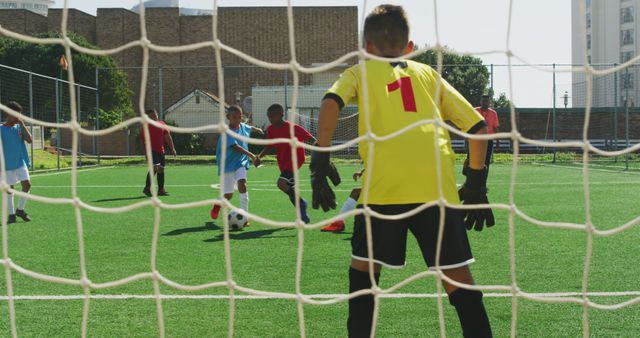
(588, 2)
(626, 37)
(626, 56)
(626, 81)
(588, 41)
(588, 20)
(8, 5)
(626, 15)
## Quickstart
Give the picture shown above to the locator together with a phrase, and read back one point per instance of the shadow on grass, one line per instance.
(206, 227)
(249, 234)
(120, 199)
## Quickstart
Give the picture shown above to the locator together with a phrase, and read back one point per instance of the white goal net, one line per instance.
(345, 144)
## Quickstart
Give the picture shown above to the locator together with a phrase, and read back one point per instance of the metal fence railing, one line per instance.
(47, 99)
(189, 97)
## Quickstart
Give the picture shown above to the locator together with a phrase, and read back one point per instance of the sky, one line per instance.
(540, 33)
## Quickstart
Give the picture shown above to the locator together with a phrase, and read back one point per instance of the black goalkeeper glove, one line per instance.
(474, 191)
(321, 168)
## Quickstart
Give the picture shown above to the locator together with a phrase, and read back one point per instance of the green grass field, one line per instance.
(191, 251)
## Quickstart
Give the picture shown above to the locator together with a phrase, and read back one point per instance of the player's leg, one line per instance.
(286, 184)
(348, 205)
(10, 208)
(389, 247)
(455, 256)
(160, 174)
(154, 163)
(241, 179)
(229, 186)
(12, 179)
(25, 182)
(468, 303)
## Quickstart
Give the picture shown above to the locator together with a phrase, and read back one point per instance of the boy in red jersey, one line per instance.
(158, 136)
(280, 128)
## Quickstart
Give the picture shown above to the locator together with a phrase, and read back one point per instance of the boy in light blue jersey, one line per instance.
(237, 160)
(16, 160)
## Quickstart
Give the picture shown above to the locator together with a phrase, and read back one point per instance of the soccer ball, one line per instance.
(237, 221)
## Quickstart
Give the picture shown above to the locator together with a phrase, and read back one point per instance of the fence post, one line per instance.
(491, 84)
(160, 99)
(126, 134)
(96, 139)
(615, 110)
(626, 115)
(553, 113)
(58, 129)
(33, 159)
(79, 118)
(286, 99)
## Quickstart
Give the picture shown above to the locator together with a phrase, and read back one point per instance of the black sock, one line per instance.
(471, 312)
(160, 181)
(147, 185)
(292, 196)
(360, 308)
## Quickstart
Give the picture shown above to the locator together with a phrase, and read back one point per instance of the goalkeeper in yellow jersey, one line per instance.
(403, 170)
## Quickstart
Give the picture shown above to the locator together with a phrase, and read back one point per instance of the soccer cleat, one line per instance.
(22, 214)
(336, 226)
(11, 219)
(215, 211)
(163, 193)
(147, 192)
(248, 224)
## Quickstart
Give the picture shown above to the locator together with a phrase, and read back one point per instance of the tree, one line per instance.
(464, 72)
(501, 102)
(115, 96)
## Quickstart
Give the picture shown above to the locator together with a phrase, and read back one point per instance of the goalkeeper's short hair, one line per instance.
(387, 27)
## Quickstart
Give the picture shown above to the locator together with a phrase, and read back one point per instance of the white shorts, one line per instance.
(231, 178)
(18, 175)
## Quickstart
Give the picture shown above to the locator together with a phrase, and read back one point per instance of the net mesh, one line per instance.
(343, 143)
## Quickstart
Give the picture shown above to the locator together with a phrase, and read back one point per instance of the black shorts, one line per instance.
(288, 177)
(390, 237)
(158, 158)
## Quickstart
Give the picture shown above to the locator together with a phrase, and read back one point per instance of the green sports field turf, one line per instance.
(191, 251)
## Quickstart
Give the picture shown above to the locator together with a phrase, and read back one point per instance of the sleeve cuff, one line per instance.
(336, 98)
(477, 127)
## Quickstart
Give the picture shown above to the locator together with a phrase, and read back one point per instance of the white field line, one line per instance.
(271, 187)
(625, 172)
(317, 296)
(68, 171)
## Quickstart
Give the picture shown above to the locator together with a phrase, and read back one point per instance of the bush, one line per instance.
(107, 119)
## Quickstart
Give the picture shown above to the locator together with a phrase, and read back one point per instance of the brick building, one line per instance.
(322, 34)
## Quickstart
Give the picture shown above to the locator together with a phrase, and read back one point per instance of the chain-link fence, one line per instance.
(190, 97)
(47, 99)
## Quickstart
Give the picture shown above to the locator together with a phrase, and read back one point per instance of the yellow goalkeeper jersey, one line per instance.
(403, 167)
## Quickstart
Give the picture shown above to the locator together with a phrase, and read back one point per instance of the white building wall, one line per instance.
(191, 114)
(309, 98)
(612, 42)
